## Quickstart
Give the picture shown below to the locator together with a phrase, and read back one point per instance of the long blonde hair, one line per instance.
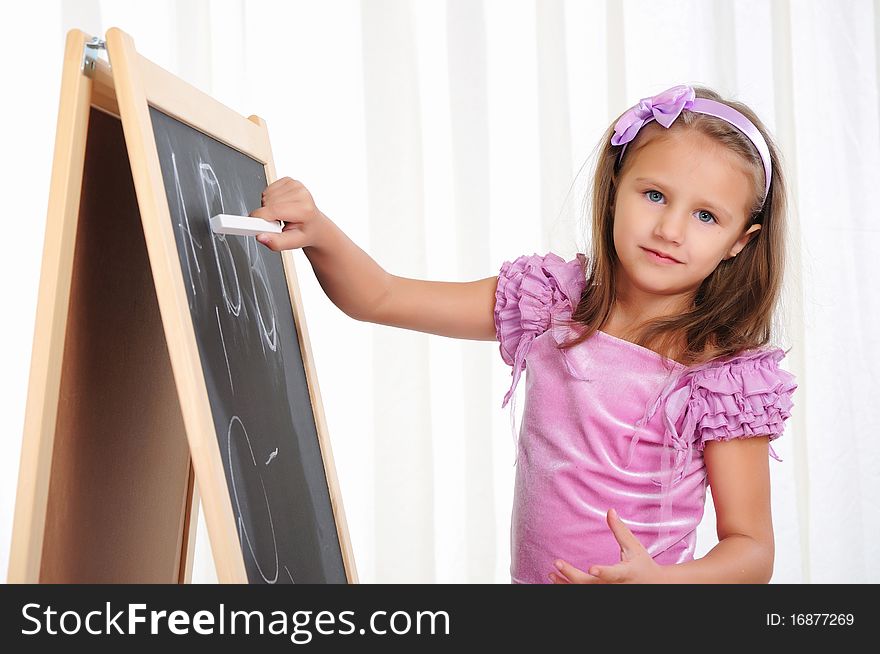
(733, 307)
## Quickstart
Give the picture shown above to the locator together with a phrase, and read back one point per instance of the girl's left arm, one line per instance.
(739, 475)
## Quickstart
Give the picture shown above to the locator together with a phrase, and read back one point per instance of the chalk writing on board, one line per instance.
(184, 226)
(213, 196)
(252, 365)
(242, 433)
(225, 354)
(264, 296)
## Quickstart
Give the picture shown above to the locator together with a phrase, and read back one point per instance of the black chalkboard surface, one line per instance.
(251, 359)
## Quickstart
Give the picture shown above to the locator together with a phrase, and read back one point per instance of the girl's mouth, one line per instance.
(658, 258)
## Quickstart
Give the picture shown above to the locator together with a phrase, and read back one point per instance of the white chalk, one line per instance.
(243, 225)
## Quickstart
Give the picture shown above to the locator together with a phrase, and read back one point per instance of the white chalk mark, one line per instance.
(185, 228)
(223, 342)
(209, 179)
(272, 456)
(238, 503)
(289, 575)
(258, 272)
(247, 250)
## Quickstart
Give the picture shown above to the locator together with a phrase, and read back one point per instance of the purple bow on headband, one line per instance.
(663, 107)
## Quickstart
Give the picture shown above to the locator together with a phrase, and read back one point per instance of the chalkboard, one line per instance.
(252, 363)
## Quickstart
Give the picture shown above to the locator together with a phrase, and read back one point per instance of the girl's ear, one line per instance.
(742, 241)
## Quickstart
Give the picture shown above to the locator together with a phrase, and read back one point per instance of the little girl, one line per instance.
(649, 372)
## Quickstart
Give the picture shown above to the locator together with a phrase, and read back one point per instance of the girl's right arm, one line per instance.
(360, 287)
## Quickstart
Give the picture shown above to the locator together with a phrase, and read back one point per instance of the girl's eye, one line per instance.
(706, 213)
(657, 196)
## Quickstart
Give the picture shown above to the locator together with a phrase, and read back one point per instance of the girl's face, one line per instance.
(685, 196)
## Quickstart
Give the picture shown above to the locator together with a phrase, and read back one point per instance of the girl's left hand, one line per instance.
(636, 565)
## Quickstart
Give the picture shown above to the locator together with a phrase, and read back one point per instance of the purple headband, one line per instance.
(665, 107)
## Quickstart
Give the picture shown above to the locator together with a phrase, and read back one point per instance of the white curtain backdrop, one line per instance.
(447, 136)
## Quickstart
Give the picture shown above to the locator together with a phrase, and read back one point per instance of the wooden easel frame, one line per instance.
(127, 91)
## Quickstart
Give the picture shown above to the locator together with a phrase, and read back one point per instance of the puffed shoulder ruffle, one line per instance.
(748, 395)
(744, 395)
(531, 291)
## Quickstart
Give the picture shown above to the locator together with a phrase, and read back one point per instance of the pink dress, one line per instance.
(607, 425)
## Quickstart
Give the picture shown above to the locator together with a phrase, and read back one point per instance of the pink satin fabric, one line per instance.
(607, 425)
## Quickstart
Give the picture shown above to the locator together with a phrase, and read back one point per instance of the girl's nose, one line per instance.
(671, 225)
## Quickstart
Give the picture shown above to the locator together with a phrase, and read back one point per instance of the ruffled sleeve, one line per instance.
(750, 395)
(745, 395)
(531, 291)
(735, 397)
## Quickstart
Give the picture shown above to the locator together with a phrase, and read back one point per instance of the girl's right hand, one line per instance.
(288, 200)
